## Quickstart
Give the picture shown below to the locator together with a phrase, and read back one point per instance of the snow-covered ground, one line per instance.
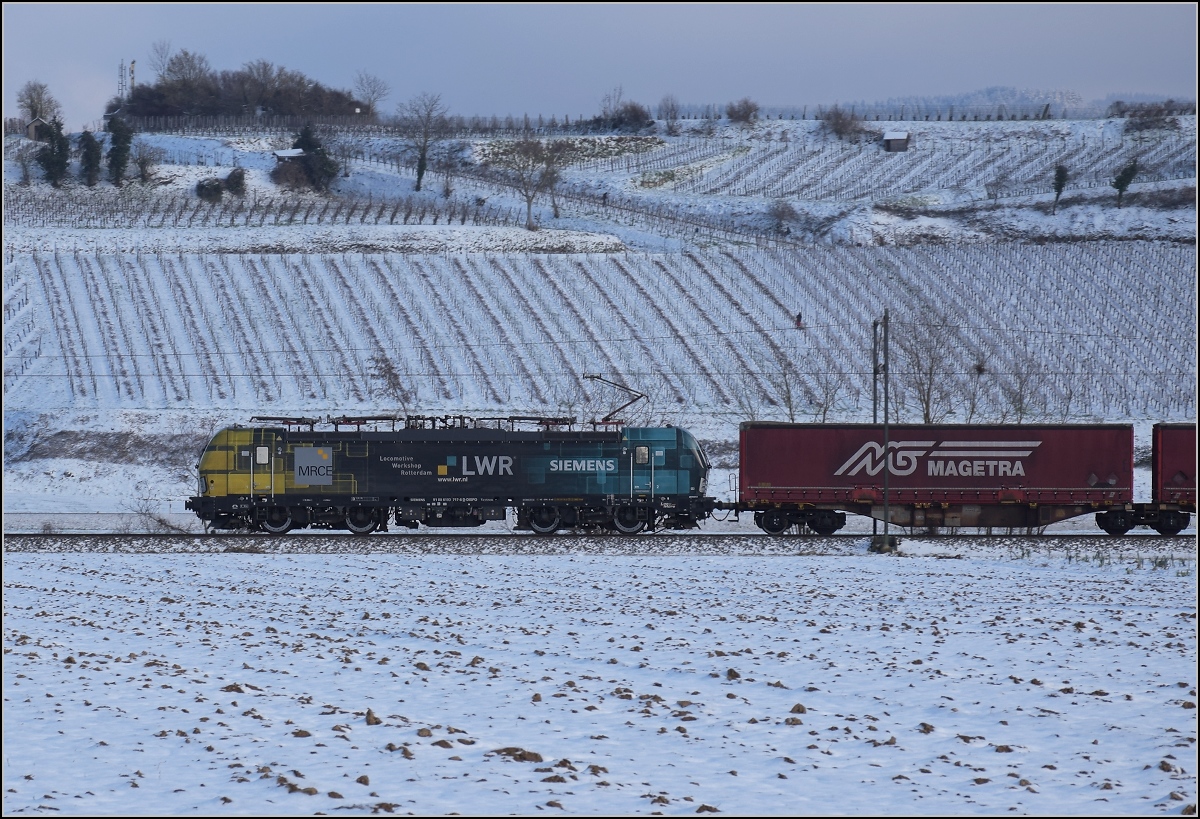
(1051, 681)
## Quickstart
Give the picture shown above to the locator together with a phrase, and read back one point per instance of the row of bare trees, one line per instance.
(925, 387)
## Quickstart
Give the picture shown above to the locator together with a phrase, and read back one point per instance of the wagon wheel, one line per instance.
(775, 522)
(1115, 523)
(823, 524)
(1171, 523)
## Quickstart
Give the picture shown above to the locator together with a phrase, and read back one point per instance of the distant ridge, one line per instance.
(996, 95)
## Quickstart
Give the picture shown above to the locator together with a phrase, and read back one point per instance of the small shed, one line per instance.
(34, 128)
(289, 154)
(895, 141)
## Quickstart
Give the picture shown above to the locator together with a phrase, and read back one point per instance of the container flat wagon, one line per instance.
(997, 475)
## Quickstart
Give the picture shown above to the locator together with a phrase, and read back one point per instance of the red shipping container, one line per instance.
(984, 475)
(1174, 465)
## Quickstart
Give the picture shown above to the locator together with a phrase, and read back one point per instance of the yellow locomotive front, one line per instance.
(237, 465)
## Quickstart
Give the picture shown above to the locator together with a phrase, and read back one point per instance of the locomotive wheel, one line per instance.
(544, 520)
(775, 522)
(278, 521)
(1114, 523)
(1171, 523)
(361, 520)
(626, 521)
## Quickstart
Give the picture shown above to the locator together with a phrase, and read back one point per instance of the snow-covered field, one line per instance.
(952, 680)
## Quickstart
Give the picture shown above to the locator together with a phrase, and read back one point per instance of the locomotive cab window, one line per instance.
(641, 455)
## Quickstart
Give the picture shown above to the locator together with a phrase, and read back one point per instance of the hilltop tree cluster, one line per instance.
(188, 85)
(620, 114)
(1150, 116)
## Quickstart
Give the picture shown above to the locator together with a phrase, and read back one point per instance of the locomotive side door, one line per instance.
(641, 470)
(259, 460)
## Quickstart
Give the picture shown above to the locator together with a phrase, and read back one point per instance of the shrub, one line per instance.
(632, 116)
(209, 189)
(743, 112)
(290, 175)
(782, 213)
(840, 123)
(235, 182)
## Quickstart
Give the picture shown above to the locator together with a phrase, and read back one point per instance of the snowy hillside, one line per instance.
(675, 264)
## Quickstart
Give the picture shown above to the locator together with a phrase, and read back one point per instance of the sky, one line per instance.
(563, 59)
(487, 679)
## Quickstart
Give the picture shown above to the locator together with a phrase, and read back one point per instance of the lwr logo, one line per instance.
(483, 465)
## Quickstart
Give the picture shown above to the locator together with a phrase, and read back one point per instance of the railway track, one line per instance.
(665, 544)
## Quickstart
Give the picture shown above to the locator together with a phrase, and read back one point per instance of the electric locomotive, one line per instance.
(450, 471)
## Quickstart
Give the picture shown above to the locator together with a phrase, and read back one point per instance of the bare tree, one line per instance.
(443, 165)
(824, 387)
(422, 120)
(160, 56)
(35, 100)
(1023, 392)
(841, 123)
(555, 157)
(261, 82)
(784, 381)
(974, 390)
(611, 103)
(997, 186)
(533, 167)
(389, 384)
(668, 111)
(187, 68)
(926, 359)
(146, 158)
(24, 156)
(1072, 390)
(370, 90)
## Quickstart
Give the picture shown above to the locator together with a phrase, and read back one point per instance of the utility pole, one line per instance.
(887, 457)
(874, 395)
(884, 543)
